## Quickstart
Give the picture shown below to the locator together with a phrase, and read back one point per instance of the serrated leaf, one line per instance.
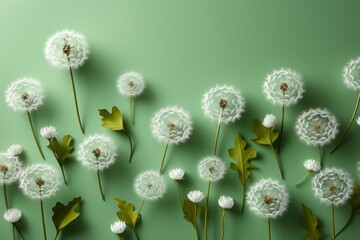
(355, 199)
(113, 120)
(62, 150)
(265, 136)
(243, 157)
(189, 211)
(310, 223)
(63, 215)
(127, 213)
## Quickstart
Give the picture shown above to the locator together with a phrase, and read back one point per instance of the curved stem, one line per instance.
(206, 210)
(5, 195)
(136, 235)
(346, 224)
(348, 126)
(178, 188)
(277, 160)
(243, 198)
(320, 155)
(333, 221)
(269, 229)
(303, 179)
(131, 147)
(56, 236)
(223, 224)
(131, 111)
(195, 223)
(100, 187)
(18, 230)
(141, 205)
(217, 132)
(163, 158)
(57, 159)
(75, 97)
(282, 126)
(13, 231)
(42, 218)
(34, 135)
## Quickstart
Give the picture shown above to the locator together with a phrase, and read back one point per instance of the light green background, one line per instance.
(182, 48)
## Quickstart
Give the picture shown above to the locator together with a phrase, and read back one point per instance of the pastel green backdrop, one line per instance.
(182, 48)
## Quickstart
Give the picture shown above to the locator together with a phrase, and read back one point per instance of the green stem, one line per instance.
(243, 199)
(75, 97)
(347, 224)
(303, 179)
(333, 221)
(100, 187)
(18, 230)
(5, 194)
(277, 160)
(42, 217)
(178, 188)
(206, 209)
(57, 159)
(223, 224)
(282, 126)
(217, 132)
(13, 231)
(141, 205)
(195, 223)
(56, 236)
(136, 235)
(348, 126)
(320, 155)
(163, 158)
(131, 111)
(269, 229)
(34, 135)
(131, 147)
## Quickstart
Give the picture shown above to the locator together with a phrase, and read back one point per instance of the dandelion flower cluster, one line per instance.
(67, 48)
(316, 127)
(12, 215)
(10, 169)
(195, 196)
(211, 169)
(171, 125)
(48, 132)
(118, 227)
(332, 186)
(25, 94)
(131, 84)
(97, 152)
(14, 150)
(150, 185)
(223, 103)
(268, 198)
(352, 74)
(283, 86)
(226, 202)
(40, 181)
(269, 121)
(177, 174)
(312, 165)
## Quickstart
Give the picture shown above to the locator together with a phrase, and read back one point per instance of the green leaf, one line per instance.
(127, 213)
(189, 211)
(62, 150)
(63, 215)
(265, 136)
(310, 223)
(243, 157)
(355, 199)
(113, 120)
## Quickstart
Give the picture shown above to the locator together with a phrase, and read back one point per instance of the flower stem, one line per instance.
(217, 131)
(131, 146)
(348, 126)
(282, 126)
(34, 135)
(131, 111)
(346, 225)
(277, 160)
(206, 210)
(57, 159)
(269, 229)
(178, 188)
(136, 235)
(163, 158)
(333, 221)
(13, 231)
(141, 205)
(18, 230)
(5, 195)
(243, 198)
(75, 97)
(195, 223)
(320, 155)
(303, 179)
(223, 224)
(56, 236)
(42, 218)
(100, 187)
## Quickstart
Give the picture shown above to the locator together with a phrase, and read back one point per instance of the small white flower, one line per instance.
(131, 84)
(171, 125)
(268, 198)
(226, 202)
(14, 150)
(177, 174)
(48, 132)
(269, 121)
(97, 152)
(283, 86)
(10, 169)
(223, 103)
(211, 169)
(12, 215)
(67, 48)
(316, 127)
(39, 181)
(358, 120)
(195, 196)
(25, 94)
(332, 186)
(312, 165)
(150, 185)
(118, 227)
(352, 74)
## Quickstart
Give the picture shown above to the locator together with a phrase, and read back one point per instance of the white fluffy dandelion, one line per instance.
(177, 174)
(12, 215)
(333, 186)
(25, 94)
(312, 165)
(269, 121)
(10, 169)
(316, 127)
(195, 196)
(211, 169)
(268, 198)
(131, 84)
(48, 132)
(150, 185)
(14, 150)
(118, 227)
(352, 74)
(226, 202)
(67, 48)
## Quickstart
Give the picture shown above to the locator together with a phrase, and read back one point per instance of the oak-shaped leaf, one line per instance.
(127, 213)
(310, 223)
(189, 209)
(265, 136)
(63, 215)
(64, 149)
